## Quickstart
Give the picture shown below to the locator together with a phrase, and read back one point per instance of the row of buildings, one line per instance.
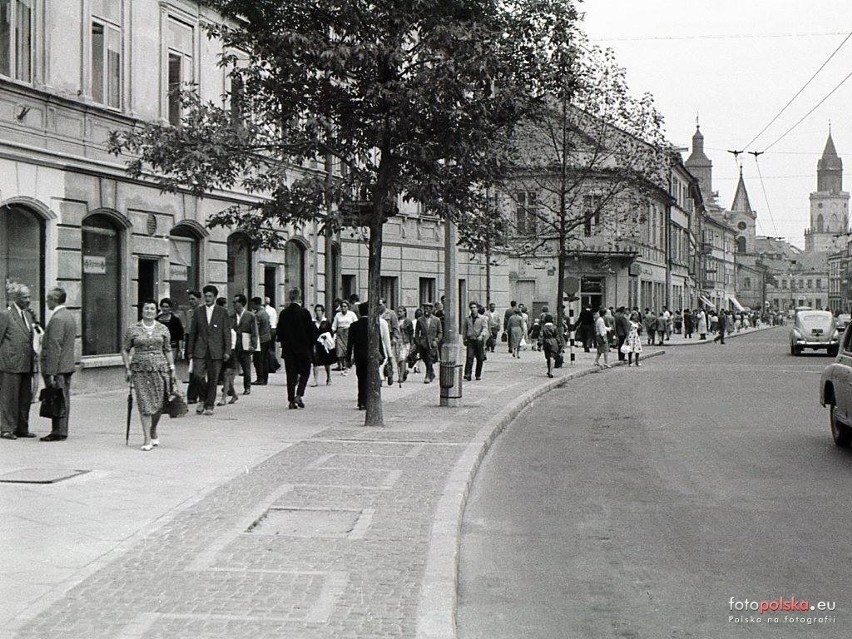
(71, 216)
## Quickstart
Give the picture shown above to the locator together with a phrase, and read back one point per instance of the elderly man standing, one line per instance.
(57, 357)
(17, 364)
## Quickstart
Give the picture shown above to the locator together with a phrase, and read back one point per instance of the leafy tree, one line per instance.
(404, 99)
(585, 166)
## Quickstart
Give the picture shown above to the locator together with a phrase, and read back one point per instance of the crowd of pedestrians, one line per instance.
(219, 343)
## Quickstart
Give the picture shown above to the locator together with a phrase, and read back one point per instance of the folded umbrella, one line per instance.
(129, 413)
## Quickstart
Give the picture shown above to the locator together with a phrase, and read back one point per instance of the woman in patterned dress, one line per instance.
(150, 368)
(340, 328)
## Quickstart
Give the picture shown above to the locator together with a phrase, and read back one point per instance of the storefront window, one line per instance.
(22, 252)
(101, 286)
(183, 265)
(294, 266)
(239, 265)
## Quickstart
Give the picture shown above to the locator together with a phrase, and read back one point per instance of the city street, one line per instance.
(655, 502)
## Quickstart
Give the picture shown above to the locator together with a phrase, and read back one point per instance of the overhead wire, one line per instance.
(804, 117)
(765, 196)
(799, 92)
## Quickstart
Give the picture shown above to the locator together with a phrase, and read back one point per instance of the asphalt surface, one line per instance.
(642, 502)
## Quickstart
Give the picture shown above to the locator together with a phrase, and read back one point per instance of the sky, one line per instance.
(734, 64)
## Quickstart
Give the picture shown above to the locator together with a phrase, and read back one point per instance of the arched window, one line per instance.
(183, 264)
(22, 252)
(819, 223)
(741, 244)
(294, 267)
(101, 285)
(239, 265)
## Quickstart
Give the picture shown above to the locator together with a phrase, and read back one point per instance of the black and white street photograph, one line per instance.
(418, 319)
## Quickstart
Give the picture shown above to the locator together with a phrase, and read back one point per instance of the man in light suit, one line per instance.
(208, 346)
(17, 363)
(57, 357)
(264, 336)
(428, 333)
(244, 324)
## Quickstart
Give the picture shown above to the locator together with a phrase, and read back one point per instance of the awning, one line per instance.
(706, 302)
(736, 303)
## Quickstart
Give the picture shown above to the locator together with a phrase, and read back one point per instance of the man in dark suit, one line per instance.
(208, 345)
(428, 333)
(57, 357)
(192, 388)
(264, 336)
(358, 351)
(244, 324)
(17, 363)
(296, 332)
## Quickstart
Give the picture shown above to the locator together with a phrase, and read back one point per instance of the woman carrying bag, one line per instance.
(150, 369)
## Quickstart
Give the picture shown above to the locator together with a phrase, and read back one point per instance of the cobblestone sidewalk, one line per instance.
(326, 535)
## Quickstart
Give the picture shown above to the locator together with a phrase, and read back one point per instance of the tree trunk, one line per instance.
(560, 291)
(374, 415)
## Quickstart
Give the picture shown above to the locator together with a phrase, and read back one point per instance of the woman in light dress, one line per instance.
(633, 341)
(150, 368)
(340, 327)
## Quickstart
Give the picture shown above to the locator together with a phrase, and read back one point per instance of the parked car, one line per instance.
(815, 330)
(843, 320)
(835, 391)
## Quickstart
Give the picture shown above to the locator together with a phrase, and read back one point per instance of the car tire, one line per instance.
(841, 433)
(832, 352)
(792, 350)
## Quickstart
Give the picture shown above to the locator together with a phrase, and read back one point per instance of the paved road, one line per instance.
(640, 502)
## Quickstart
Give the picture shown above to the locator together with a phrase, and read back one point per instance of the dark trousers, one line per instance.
(426, 356)
(621, 339)
(16, 395)
(492, 341)
(59, 425)
(261, 363)
(244, 364)
(192, 388)
(207, 371)
(361, 369)
(475, 350)
(298, 369)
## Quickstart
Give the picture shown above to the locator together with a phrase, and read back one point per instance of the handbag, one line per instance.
(175, 404)
(559, 360)
(504, 337)
(625, 348)
(52, 402)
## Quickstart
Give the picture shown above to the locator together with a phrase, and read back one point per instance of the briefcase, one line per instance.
(52, 403)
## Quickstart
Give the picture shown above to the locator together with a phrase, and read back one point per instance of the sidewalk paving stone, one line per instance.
(161, 544)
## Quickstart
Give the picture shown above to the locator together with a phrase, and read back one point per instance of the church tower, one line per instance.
(701, 166)
(743, 217)
(829, 204)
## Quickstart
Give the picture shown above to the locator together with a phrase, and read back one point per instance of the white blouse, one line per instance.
(343, 321)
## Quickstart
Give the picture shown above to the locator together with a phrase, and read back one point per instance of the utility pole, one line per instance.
(450, 376)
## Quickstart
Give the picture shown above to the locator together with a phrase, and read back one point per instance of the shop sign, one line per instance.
(94, 265)
(179, 273)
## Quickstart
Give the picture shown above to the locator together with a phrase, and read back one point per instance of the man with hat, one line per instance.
(428, 333)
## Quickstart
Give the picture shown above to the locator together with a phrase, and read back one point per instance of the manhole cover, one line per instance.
(295, 522)
(39, 475)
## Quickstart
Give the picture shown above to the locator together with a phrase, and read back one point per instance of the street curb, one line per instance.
(436, 609)
(698, 342)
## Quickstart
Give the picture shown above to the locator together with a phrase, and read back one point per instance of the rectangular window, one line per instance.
(388, 288)
(106, 64)
(591, 213)
(427, 290)
(810, 283)
(527, 212)
(349, 286)
(819, 285)
(179, 65)
(16, 39)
